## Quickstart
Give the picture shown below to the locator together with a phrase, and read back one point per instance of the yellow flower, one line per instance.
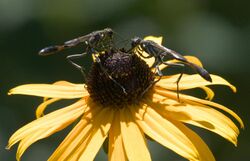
(104, 112)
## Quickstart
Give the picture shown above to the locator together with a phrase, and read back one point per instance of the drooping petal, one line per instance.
(86, 138)
(116, 148)
(133, 138)
(205, 153)
(199, 115)
(47, 101)
(76, 154)
(52, 91)
(191, 81)
(30, 139)
(77, 138)
(209, 92)
(186, 98)
(88, 146)
(101, 126)
(58, 120)
(40, 109)
(165, 132)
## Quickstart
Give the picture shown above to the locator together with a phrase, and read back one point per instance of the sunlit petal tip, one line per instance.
(11, 92)
(16, 90)
(11, 142)
(242, 126)
(234, 89)
(219, 80)
(7, 147)
(236, 143)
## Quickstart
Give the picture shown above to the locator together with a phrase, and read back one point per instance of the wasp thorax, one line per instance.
(120, 79)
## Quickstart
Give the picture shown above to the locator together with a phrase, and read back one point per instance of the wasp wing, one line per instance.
(171, 54)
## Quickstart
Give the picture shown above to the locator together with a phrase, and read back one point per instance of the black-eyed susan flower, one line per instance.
(104, 111)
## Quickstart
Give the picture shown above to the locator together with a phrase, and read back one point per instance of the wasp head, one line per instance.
(136, 41)
(109, 32)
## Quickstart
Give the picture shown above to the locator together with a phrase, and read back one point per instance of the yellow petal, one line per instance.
(88, 146)
(40, 109)
(58, 119)
(173, 96)
(116, 148)
(191, 59)
(101, 126)
(157, 40)
(204, 152)
(63, 83)
(191, 81)
(76, 154)
(194, 60)
(165, 132)
(133, 138)
(30, 139)
(52, 91)
(209, 92)
(76, 138)
(198, 115)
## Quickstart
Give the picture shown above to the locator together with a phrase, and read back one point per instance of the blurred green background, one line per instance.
(218, 32)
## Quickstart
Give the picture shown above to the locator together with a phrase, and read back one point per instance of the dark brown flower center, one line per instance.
(119, 79)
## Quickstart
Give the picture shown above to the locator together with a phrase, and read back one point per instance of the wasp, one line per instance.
(161, 55)
(96, 42)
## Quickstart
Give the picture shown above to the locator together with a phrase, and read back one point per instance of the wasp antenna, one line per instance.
(121, 37)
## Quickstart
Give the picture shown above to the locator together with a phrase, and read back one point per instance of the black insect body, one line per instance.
(96, 42)
(162, 54)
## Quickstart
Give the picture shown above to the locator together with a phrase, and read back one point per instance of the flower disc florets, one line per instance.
(127, 70)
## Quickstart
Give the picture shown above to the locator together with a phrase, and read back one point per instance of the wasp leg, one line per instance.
(179, 78)
(177, 82)
(158, 71)
(156, 66)
(106, 73)
(70, 59)
(139, 51)
(149, 86)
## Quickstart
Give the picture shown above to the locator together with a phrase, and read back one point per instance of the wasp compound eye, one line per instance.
(97, 37)
(109, 32)
(136, 41)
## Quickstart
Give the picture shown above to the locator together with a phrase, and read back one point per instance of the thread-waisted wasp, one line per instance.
(162, 55)
(97, 42)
